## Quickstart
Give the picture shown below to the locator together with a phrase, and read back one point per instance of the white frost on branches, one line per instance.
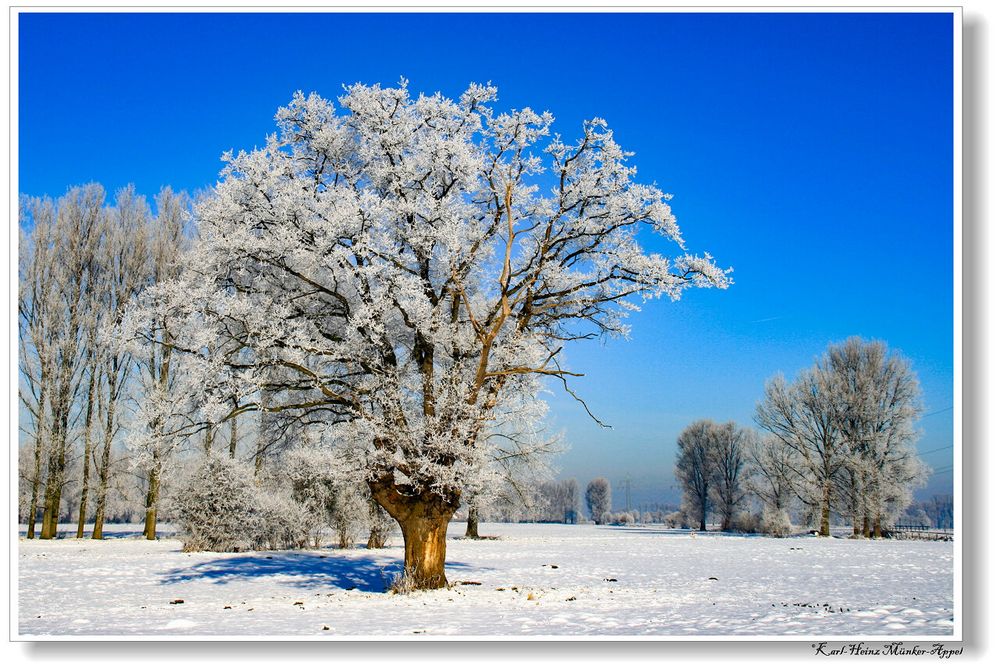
(397, 273)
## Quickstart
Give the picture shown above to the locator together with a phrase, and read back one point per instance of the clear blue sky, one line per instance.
(810, 152)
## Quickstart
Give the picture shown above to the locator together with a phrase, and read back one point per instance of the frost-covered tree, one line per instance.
(694, 469)
(124, 261)
(598, 498)
(161, 428)
(849, 424)
(56, 317)
(878, 401)
(771, 478)
(394, 270)
(728, 470)
(38, 320)
(559, 501)
(521, 450)
(803, 416)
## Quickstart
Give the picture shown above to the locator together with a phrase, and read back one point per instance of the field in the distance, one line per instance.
(532, 579)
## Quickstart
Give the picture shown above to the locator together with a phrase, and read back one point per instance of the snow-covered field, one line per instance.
(532, 579)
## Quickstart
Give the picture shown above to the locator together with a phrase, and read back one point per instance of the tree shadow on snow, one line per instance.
(304, 570)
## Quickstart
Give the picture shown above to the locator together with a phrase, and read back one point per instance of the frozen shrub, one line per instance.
(747, 523)
(676, 520)
(404, 582)
(215, 508)
(776, 522)
(281, 522)
(622, 518)
(221, 508)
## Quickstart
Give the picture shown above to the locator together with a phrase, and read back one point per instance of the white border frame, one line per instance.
(556, 6)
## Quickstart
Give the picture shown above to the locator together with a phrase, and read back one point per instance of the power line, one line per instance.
(936, 450)
(940, 411)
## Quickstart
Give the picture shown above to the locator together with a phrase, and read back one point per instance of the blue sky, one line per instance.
(810, 152)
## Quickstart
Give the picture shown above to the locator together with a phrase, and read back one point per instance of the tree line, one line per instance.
(839, 439)
(81, 261)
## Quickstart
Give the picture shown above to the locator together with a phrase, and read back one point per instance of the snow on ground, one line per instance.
(532, 579)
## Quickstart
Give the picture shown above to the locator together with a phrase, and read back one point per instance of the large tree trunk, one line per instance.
(472, 523)
(423, 518)
(877, 526)
(152, 499)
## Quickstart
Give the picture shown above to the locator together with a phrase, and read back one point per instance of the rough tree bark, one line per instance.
(423, 518)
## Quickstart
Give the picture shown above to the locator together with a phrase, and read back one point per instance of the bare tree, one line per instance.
(164, 429)
(771, 472)
(694, 469)
(125, 256)
(804, 417)
(60, 311)
(38, 316)
(728, 470)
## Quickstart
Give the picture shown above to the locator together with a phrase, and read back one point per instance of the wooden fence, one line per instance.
(924, 532)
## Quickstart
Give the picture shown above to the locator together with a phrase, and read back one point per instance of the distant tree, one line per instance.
(848, 423)
(941, 509)
(803, 416)
(598, 498)
(379, 525)
(877, 396)
(125, 256)
(728, 470)
(694, 469)
(559, 500)
(771, 472)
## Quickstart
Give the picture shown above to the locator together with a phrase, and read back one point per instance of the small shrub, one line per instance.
(404, 582)
(747, 523)
(776, 523)
(221, 508)
(677, 519)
